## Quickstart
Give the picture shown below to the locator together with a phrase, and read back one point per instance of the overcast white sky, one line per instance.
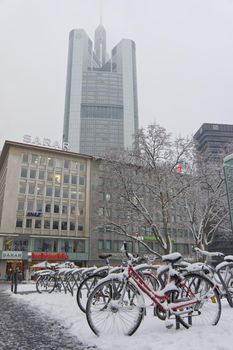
(184, 60)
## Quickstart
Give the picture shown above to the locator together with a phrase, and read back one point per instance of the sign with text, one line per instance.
(56, 256)
(13, 255)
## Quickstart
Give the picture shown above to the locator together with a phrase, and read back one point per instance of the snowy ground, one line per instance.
(151, 335)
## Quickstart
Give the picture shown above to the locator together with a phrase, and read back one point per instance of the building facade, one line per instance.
(213, 137)
(44, 206)
(101, 108)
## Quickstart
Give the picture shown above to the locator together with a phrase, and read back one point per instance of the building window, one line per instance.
(37, 223)
(24, 172)
(57, 192)
(64, 225)
(81, 180)
(59, 163)
(100, 244)
(65, 193)
(108, 245)
(47, 224)
(64, 209)
(32, 173)
(73, 194)
(81, 196)
(80, 227)
(72, 226)
(30, 205)
(50, 176)
(40, 189)
(56, 208)
(50, 162)
(29, 223)
(66, 164)
(66, 245)
(43, 161)
(25, 158)
(74, 180)
(66, 179)
(49, 191)
(57, 178)
(48, 208)
(31, 188)
(72, 210)
(35, 159)
(39, 206)
(22, 187)
(41, 174)
(20, 205)
(19, 222)
(82, 167)
(55, 225)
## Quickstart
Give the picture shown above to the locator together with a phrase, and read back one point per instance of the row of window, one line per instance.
(44, 245)
(50, 176)
(48, 224)
(40, 189)
(52, 162)
(57, 208)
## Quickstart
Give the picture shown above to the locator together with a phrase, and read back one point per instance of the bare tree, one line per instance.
(145, 185)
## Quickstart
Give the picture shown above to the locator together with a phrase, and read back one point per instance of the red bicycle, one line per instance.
(117, 304)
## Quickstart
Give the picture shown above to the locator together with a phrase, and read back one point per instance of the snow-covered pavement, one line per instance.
(151, 335)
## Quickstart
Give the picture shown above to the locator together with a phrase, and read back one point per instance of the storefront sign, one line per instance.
(58, 256)
(7, 254)
(46, 142)
(37, 214)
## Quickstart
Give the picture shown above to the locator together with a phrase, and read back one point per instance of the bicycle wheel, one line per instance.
(207, 309)
(45, 284)
(114, 307)
(85, 289)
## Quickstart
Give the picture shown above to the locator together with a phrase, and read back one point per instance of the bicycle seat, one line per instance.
(172, 258)
(105, 256)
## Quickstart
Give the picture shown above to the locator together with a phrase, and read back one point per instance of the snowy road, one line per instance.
(22, 328)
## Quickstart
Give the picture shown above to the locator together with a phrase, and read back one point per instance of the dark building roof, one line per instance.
(213, 137)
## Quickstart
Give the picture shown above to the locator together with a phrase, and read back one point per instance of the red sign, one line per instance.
(58, 256)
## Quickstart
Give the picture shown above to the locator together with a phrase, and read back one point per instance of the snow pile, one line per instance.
(151, 335)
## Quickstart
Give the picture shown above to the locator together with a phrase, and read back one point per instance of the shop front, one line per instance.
(10, 261)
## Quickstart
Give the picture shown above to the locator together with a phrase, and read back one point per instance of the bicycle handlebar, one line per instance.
(209, 254)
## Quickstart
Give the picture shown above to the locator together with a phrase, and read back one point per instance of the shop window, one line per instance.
(79, 246)
(20, 244)
(8, 244)
(66, 245)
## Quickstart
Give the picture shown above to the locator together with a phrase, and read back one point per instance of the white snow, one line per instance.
(151, 335)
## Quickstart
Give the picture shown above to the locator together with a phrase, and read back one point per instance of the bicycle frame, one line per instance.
(156, 297)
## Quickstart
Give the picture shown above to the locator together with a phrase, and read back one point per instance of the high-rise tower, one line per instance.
(101, 110)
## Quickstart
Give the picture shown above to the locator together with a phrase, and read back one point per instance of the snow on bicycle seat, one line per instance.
(228, 258)
(171, 258)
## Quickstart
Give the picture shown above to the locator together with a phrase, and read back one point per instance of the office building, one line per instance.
(101, 107)
(213, 137)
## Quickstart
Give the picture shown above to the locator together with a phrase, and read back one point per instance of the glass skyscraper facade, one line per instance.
(101, 109)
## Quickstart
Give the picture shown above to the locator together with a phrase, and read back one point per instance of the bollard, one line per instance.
(16, 280)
